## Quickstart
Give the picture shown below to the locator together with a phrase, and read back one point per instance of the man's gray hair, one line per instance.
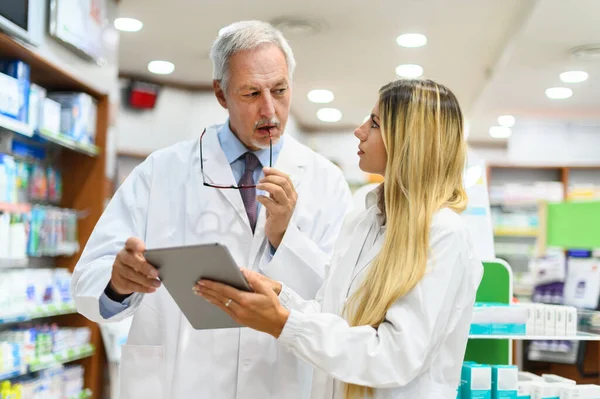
(246, 35)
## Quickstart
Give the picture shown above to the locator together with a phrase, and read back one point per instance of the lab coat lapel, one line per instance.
(348, 263)
(218, 171)
(292, 161)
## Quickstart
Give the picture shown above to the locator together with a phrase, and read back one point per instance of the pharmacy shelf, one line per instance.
(15, 126)
(67, 142)
(85, 394)
(581, 336)
(14, 208)
(40, 312)
(57, 359)
(13, 263)
(506, 232)
(53, 360)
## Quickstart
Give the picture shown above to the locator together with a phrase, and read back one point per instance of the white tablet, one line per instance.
(180, 268)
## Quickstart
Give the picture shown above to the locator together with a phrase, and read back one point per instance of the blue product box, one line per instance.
(22, 72)
(78, 116)
(505, 382)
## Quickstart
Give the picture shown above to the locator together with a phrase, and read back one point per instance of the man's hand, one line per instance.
(131, 273)
(280, 205)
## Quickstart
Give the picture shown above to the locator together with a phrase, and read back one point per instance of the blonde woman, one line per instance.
(392, 318)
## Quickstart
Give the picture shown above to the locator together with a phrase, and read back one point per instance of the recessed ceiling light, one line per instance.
(128, 24)
(559, 93)
(329, 114)
(573, 76)
(587, 52)
(500, 132)
(161, 67)
(506, 120)
(320, 96)
(411, 40)
(409, 71)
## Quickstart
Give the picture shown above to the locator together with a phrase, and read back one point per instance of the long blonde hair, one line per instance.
(422, 129)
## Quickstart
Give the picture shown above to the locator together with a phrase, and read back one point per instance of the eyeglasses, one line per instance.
(225, 186)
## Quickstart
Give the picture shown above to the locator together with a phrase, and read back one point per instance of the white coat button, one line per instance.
(247, 363)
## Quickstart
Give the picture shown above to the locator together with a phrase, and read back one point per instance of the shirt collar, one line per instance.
(234, 148)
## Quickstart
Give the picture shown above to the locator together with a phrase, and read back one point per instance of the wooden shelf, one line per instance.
(52, 360)
(65, 141)
(16, 126)
(581, 336)
(503, 232)
(83, 176)
(41, 312)
(44, 72)
(14, 208)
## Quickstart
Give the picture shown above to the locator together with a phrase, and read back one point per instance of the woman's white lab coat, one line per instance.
(165, 203)
(417, 352)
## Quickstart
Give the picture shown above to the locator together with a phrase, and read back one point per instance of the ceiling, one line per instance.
(498, 56)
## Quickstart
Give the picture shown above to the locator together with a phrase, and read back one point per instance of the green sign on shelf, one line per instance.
(496, 286)
(573, 225)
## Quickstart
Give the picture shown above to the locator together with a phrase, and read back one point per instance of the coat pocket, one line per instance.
(142, 373)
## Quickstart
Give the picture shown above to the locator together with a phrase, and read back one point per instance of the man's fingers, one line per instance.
(275, 172)
(281, 182)
(276, 192)
(135, 262)
(133, 286)
(268, 203)
(139, 278)
(135, 245)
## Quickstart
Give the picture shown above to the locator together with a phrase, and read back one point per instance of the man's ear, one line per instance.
(219, 93)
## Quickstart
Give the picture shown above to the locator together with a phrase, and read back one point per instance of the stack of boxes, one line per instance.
(70, 114)
(480, 381)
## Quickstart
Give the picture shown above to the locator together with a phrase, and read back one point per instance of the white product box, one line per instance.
(547, 390)
(549, 320)
(9, 96)
(525, 384)
(570, 321)
(561, 320)
(557, 379)
(581, 392)
(51, 116)
(540, 319)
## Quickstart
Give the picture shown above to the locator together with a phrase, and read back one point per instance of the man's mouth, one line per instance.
(267, 129)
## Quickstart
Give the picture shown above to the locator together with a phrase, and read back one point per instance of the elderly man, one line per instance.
(281, 218)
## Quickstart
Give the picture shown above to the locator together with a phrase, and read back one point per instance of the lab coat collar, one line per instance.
(372, 198)
(218, 171)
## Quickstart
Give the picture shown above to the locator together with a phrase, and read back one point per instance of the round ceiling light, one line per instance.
(409, 71)
(500, 132)
(574, 76)
(559, 93)
(329, 114)
(506, 120)
(161, 67)
(297, 27)
(128, 24)
(320, 96)
(587, 52)
(411, 40)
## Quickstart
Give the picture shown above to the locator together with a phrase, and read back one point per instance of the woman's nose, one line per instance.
(360, 134)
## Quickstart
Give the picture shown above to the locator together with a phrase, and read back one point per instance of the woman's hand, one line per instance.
(259, 310)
